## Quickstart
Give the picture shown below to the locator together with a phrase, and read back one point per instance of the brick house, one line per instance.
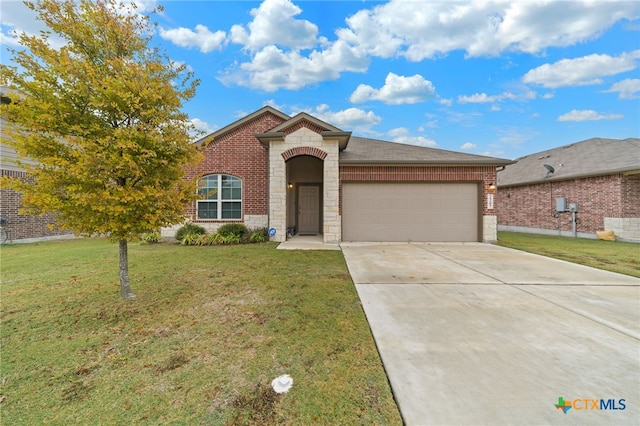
(599, 177)
(20, 227)
(300, 175)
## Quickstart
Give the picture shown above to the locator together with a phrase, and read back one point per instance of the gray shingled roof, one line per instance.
(592, 157)
(373, 151)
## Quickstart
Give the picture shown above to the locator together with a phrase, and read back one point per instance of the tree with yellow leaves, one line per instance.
(101, 119)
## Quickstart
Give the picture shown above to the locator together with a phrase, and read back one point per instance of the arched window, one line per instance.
(219, 197)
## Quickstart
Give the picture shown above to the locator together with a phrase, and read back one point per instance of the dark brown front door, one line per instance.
(309, 209)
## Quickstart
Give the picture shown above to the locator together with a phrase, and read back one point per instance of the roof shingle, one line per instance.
(592, 157)
(372, 151)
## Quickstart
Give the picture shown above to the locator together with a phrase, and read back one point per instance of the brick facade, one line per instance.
(484, 175)
(20, 226)
(598, 198)
(630, 194)
(239, 153)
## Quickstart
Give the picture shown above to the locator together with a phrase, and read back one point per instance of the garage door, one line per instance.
(410, 212)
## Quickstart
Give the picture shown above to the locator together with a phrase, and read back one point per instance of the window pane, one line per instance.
(208, 187)
(207, 210)
(231, 188)
(232, 210)
(231, 193)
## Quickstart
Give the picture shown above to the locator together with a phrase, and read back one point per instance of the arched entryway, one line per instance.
(305, 195)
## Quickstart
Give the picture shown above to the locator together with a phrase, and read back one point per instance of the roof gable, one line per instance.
(301, 118)
(308, 121)
(244, 120)
(373, 151)
(591, 157)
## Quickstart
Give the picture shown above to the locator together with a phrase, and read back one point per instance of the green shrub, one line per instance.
(189, 228)
(151, 237)
(191, 239)
(237, 229)
(259, 236)
(231, 239)
(230, 233)
(204, 240)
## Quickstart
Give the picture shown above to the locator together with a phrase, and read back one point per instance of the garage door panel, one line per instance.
(410, 211)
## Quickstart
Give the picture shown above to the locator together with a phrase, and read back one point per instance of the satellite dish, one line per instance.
(550, 170)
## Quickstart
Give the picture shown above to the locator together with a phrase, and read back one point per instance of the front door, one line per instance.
(309, 209)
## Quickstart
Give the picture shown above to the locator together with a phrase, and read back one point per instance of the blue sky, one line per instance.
(496, 78)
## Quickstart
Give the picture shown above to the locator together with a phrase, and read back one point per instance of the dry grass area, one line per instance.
(209, 330)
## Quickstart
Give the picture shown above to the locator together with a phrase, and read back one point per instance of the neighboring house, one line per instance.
(599, 177)
(304, 176)
(19, 227)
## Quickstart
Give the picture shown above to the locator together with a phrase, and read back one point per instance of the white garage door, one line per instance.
(410, 212)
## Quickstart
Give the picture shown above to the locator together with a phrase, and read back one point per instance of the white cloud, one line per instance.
(627, 89)
(588, 115)
(397, 90)
(274, 104)
(201, 38)
(20, 19)
(587, 70)
(478, 98)
(419, 30)
(446, 102)
(483, 98)
(274, 23)
(416, 140)
(398, 132)
(272, 68)
(203, 126)
(286, 52)
(468, 146)
(348, 119)
(402, 135)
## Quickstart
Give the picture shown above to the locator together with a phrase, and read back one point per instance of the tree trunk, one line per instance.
(125, 285)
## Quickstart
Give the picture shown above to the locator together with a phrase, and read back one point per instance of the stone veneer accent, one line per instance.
(625, 228)
(304, 141)
(489, 229)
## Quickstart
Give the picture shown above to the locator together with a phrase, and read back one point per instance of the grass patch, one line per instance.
(209, 329)
(614, 256)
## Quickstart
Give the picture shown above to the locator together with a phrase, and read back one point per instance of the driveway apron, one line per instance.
(479, 334)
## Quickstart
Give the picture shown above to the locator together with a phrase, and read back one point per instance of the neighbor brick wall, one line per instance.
(534, 206)
(484, 175)
(630, 196)
(240, 153)
(22, 226)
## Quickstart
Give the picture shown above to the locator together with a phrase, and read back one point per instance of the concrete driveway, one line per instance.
(482, 335)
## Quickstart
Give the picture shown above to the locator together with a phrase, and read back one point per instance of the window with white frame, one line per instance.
(219, 197)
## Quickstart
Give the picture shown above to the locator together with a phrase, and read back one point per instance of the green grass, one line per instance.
(615, 256)
(209, 330)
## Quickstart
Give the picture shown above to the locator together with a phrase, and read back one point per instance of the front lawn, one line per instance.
(615, 256)
(209, 329)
